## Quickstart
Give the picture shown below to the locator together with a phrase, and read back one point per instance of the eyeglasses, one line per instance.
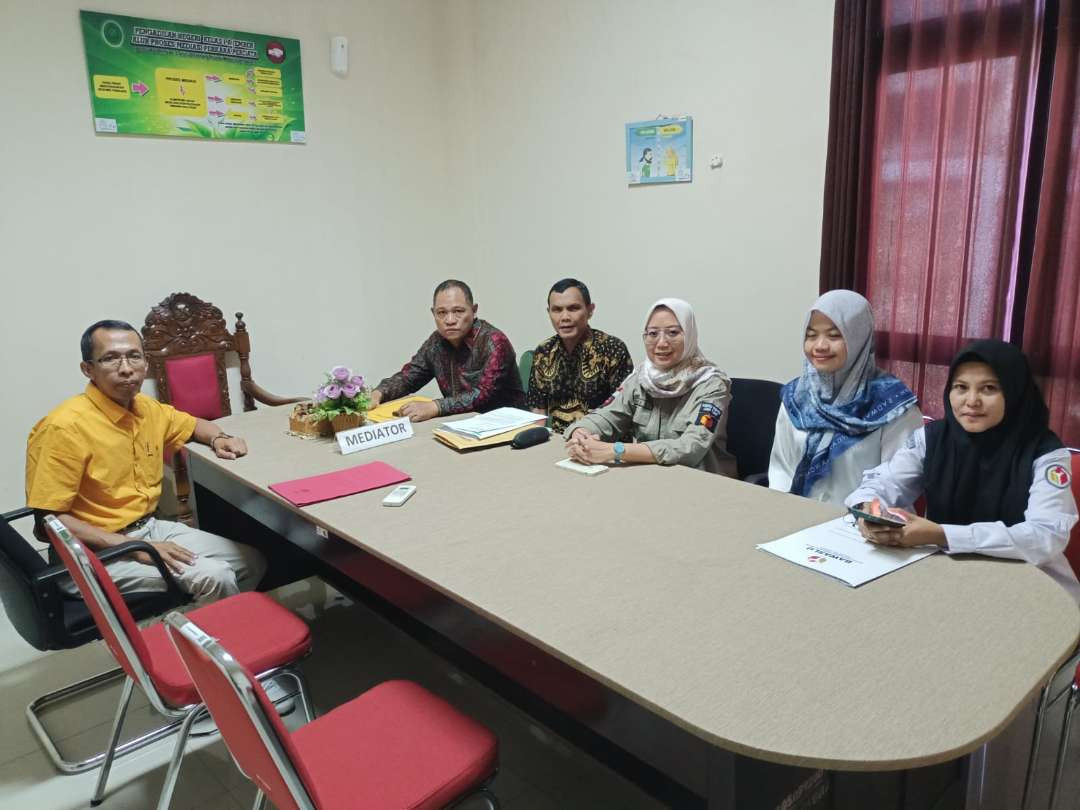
(113, 361)
(444, 314)
(653, 335)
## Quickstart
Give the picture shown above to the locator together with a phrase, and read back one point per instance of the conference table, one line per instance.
(635, 606)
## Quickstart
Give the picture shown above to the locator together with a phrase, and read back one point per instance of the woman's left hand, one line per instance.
(587, 449)
(918, 531)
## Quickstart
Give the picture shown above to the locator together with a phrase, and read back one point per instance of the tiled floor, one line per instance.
(353, 650)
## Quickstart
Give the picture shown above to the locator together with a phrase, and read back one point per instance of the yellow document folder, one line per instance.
(459, 442)
(387, 410)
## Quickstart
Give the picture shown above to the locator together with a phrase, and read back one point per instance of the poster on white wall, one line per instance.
(150, 77)
(660, 151)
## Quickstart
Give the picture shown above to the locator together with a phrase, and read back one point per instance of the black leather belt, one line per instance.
(136, 525)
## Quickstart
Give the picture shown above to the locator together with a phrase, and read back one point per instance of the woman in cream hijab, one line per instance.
(843, 414)
(671, 410)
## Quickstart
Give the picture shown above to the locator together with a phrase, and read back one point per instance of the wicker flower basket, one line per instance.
(342, 399)
(347, 421)
(305, 423)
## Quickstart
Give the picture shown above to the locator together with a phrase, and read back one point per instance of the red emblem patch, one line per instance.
(1058, 476)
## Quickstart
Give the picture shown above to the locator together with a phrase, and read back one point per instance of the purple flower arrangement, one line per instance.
(343, 392)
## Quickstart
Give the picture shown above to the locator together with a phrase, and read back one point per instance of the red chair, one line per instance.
(49, 619)
(186, 340)
(1072, 551)
(1063, 743)
(1046, 699)
(1072, 554)
(394, 747)
(266, 637)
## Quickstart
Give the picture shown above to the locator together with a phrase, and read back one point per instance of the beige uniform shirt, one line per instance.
(690, 430)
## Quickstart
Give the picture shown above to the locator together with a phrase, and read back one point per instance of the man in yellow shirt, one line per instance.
(96, 462)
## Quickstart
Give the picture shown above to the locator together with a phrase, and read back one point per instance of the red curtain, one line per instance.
(955, 96)
(845, 222)
(1051, 325)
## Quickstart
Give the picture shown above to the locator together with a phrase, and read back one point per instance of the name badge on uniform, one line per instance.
(708, 416)
(367, 436)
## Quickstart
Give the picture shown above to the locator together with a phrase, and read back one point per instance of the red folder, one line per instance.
(326, 487)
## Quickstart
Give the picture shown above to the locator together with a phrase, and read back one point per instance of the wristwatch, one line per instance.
(620, 448)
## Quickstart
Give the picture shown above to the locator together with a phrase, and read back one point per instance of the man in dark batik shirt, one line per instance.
(579, 368)
(472, 361)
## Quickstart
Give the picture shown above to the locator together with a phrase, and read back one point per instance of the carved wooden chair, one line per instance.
(185, 340)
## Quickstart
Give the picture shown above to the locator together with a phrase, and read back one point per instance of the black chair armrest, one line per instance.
(17, 514)
(761, 479)
(172, 587)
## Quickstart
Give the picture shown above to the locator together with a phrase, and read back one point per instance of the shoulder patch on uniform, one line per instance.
(1057, 475)
(708, 415)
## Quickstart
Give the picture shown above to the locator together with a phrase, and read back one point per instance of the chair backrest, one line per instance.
(111, 615)
(185, 340)
(247, 720)
(751, 423)
(19, 563)
(525, 367)
(1072, 551)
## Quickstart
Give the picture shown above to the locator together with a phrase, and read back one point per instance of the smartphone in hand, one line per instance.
(876, 512)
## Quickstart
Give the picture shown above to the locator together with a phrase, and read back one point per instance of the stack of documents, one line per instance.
(460, 442)
(837, 549)
(490, 424)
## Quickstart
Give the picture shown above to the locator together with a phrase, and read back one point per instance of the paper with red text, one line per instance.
(836, 549)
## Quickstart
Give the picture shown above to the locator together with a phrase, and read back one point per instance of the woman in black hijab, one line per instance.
(997, 480)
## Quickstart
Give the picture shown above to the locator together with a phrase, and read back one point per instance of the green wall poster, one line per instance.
(149, 77)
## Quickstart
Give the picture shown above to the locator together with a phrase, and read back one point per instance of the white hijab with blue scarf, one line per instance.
(849, 403)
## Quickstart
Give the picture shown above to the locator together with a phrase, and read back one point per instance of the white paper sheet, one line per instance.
(494, 422)
(838, 550)
(584, 469)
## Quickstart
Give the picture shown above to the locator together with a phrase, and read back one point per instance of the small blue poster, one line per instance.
(660, 151)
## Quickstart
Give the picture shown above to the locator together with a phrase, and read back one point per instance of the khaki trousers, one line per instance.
(221, 568)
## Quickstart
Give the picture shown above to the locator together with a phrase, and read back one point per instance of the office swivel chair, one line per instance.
(525, 365)
(49, 619)
(751, 426)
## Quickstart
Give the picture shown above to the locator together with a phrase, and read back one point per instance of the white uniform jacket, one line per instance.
(789, 445)
(1040, 539)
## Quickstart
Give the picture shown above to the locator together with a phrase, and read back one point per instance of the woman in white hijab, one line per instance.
(671, 410)
(843, 414)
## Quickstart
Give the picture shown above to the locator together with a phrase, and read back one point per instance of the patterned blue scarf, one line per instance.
(850, 403)
(882, 399)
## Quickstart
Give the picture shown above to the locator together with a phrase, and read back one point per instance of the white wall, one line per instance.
(311, 242)
(545, 89)
(472, 138)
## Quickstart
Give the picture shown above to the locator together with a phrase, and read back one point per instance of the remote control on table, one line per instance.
(399, 495)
